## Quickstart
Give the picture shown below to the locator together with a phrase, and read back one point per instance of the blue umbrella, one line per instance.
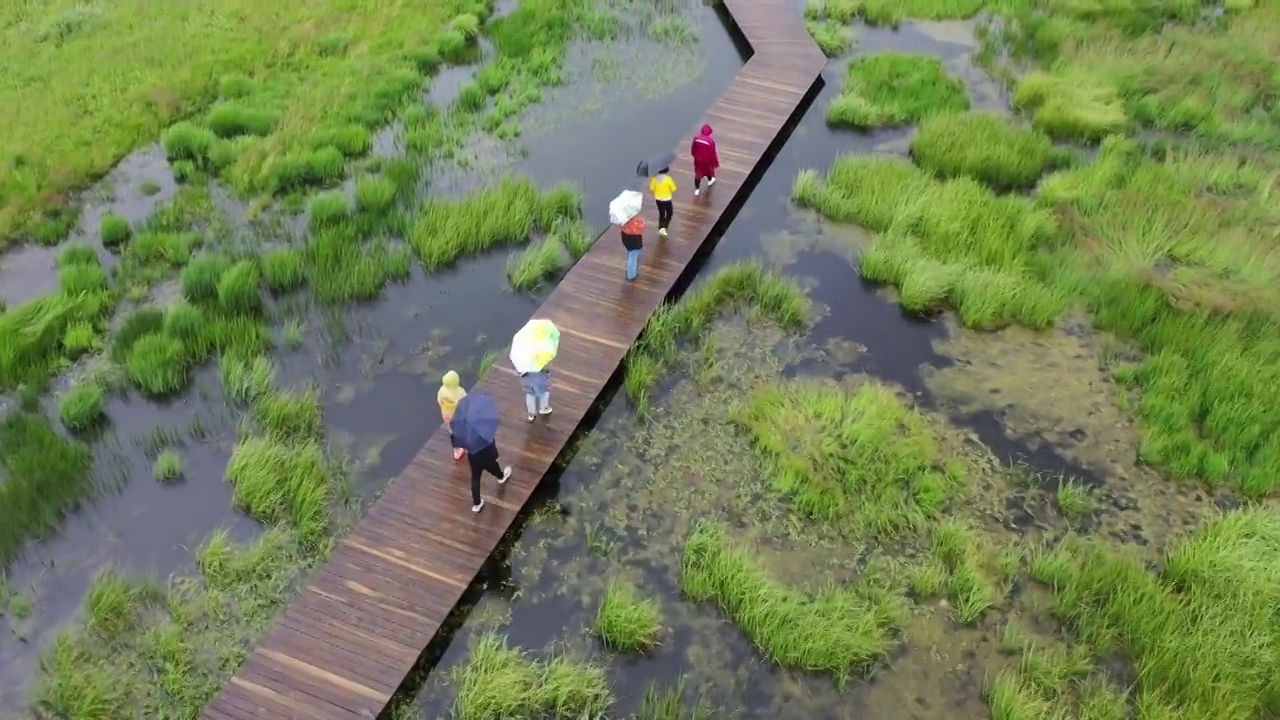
(475, 422)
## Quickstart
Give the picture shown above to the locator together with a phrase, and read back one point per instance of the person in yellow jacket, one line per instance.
(448, 397)
(663, 188)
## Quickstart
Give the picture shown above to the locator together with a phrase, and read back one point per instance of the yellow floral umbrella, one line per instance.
(534, 346)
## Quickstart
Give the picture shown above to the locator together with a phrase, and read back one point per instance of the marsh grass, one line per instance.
(832, 37)
(537, 263)
(343, 268)
(951, 242)
(838, 631)
(34, 335)
(763, 294)
(1201, 633)
(246, 378)
(114, 230)
(1071, 106)
(290, 415)
(46, 475)
(157, 364)
(860, 458)
(80, 407)
(167, 466)
(498, 680)
(283, 270)
(985, 147)
(506, 213)
(626, 621)
(669, 704)
(892, 88)
(961, 552)
(1074, 499)
(168, 648)
(278, 482)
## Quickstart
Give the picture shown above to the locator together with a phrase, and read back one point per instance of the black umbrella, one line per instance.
(655, 164)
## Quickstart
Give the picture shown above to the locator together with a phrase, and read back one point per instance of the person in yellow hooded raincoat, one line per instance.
(448, 397)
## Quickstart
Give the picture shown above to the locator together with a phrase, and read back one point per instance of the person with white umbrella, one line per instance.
(532, 350)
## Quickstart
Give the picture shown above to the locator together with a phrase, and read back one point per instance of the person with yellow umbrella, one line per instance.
(532, 350)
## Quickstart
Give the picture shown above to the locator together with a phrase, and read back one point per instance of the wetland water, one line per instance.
(629, 498)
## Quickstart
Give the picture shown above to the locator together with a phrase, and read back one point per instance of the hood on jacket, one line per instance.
(706, 131)
(450, 380)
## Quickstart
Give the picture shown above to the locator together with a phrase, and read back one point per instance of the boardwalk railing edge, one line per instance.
(768, 35)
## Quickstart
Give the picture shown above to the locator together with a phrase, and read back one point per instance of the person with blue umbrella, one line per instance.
(475, 429)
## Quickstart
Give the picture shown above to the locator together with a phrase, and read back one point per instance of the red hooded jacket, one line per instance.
(705, 157)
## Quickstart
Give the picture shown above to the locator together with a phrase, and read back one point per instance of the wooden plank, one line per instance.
(354, 632)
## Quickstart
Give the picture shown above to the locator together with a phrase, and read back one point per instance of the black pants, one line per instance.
(484, 461)
(665, 210)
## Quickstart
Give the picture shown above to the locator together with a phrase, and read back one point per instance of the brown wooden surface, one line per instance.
(354, 632)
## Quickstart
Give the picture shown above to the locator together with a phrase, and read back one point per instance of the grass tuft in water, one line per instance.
(839, 631)
(499, 681)
(168, 466)
(114, 230)
(277, 482)
(80, 407)
(863, 457)
(282, 270)
(983, 146)
(892, 88)
(157, 364)
(626, 621)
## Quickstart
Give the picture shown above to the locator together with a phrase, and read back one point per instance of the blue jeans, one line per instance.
(633, 264)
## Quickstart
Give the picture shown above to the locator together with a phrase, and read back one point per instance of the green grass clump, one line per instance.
(147, 645)
(244, 378)
(32, 335)
(288, 416)
(341, 267)
(1202, 633)
(375, 194)
(278, 482)
(162, 248)
(839, 631)
(80, 406)
(114, 230)
(77, 278)
(499, 681)
(503, 214)
(668, 704)
(283, 270)
(327, 209)
(168, 466)
(626, 621)
(46, 475)
(983, 146)
(77, 254)
(954, 240)
(535, 264)
(1070, 106)
(895, 89)
(832, 37)
(230, 119)
(201, 275)
(746, 285)
(157, 364)
(141, 322)
(955, 547)
(238, 290)
(861, 457)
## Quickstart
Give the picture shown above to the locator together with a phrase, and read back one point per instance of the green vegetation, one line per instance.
(861, 457)
(840, 631)
(946, 241)
(45, 476)
(81, 405)
(499, 681)
(983, 146)
(1069, 106)
(747, 285)
(114, 230)
(168, 466)
(1202, 633)
(957, 553)
(659, 704)
(509, 212)
(626, 621)
(895, 89)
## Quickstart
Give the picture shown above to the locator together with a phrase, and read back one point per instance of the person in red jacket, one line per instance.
(705, 159)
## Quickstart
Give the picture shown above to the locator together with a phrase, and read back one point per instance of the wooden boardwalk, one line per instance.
(357, 627)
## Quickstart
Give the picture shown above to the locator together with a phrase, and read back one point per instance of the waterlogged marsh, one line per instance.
(962, 620)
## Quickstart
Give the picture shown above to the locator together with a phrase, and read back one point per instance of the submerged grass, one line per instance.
(861, 457)
(45, 476)
(766, 295)
(626, 621)
(839, 631)
(895, 89)
(499, 681)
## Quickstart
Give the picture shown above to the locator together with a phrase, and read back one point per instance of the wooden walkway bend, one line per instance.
(358, 626)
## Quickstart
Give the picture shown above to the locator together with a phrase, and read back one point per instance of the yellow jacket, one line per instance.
(662, 187)
(449, 395)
